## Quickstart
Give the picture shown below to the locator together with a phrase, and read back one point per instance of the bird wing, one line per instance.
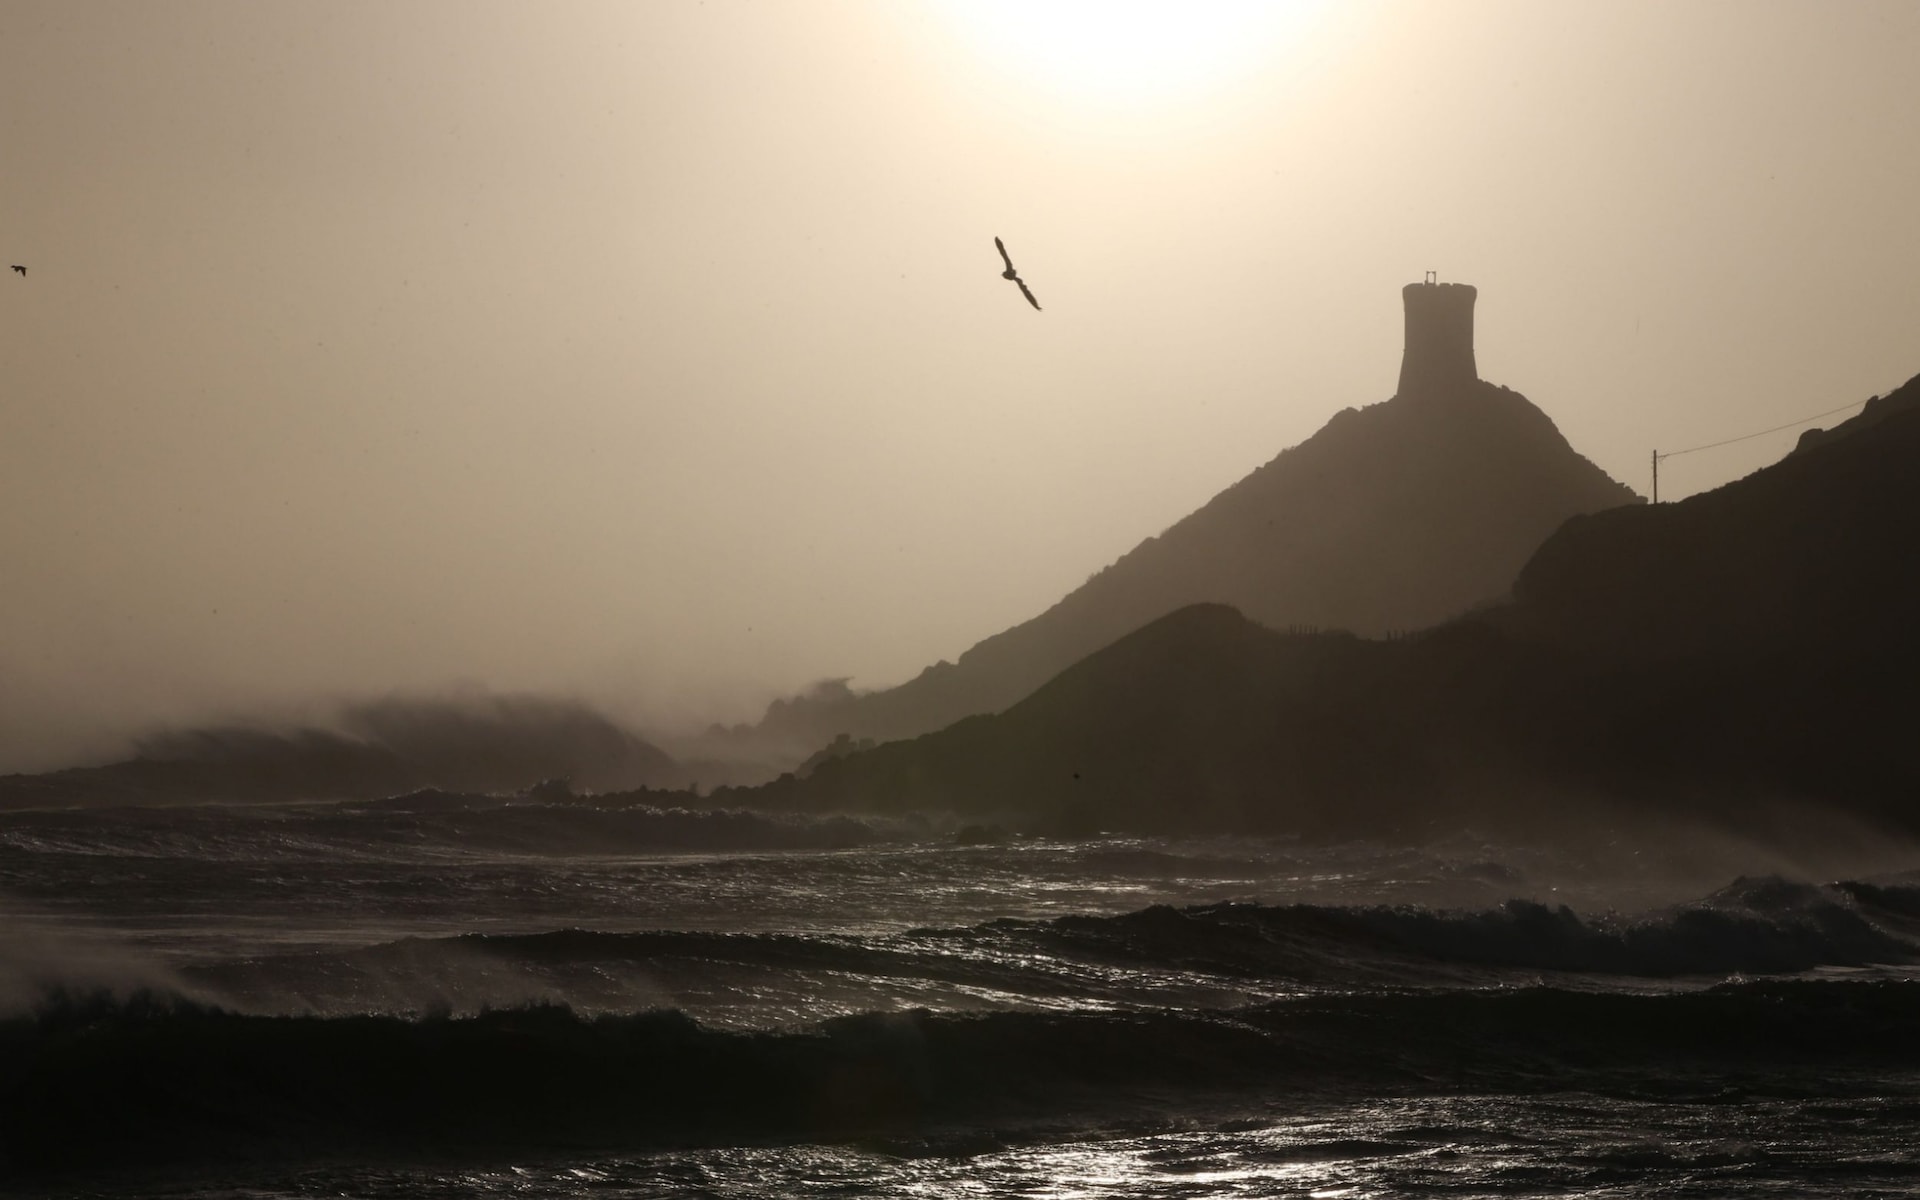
(1001, 247)
(1028, 293)
(19, 268)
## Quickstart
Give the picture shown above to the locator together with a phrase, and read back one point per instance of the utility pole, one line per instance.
(1656, 477)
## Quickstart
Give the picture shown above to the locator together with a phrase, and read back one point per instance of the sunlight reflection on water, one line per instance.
(1460, 1145)
(1566, 1145)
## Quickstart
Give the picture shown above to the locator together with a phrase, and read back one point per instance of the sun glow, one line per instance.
(1133, 52)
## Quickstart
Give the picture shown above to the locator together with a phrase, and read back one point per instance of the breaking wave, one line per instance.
(1161, 956)
(148, 1079)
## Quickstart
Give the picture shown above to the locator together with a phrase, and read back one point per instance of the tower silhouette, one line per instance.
(1439, 347)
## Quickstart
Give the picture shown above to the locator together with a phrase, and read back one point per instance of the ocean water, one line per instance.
(450, 996)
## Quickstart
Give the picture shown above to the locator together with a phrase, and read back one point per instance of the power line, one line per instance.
(1764, 432)
(1657, 455)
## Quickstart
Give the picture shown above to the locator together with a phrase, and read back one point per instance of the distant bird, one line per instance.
(19, 268)
(1014, 275)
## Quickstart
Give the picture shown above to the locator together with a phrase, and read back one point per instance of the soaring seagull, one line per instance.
(1014, 275)
(19, 268)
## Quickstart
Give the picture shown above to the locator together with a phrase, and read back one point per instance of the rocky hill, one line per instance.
(369, 750)
(1738, 654)
(1392, 517)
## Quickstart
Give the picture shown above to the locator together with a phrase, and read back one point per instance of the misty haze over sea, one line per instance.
(574, 626)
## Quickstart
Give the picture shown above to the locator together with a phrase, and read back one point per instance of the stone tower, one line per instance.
(1439, 347)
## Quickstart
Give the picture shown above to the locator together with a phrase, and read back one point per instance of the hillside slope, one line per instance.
(1392, 517)
(369, 750)
(1741, 649)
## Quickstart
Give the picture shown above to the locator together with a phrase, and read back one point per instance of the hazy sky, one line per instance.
(657, 352)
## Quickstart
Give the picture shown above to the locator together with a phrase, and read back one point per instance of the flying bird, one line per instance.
(1014, 275)
(19, 268)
